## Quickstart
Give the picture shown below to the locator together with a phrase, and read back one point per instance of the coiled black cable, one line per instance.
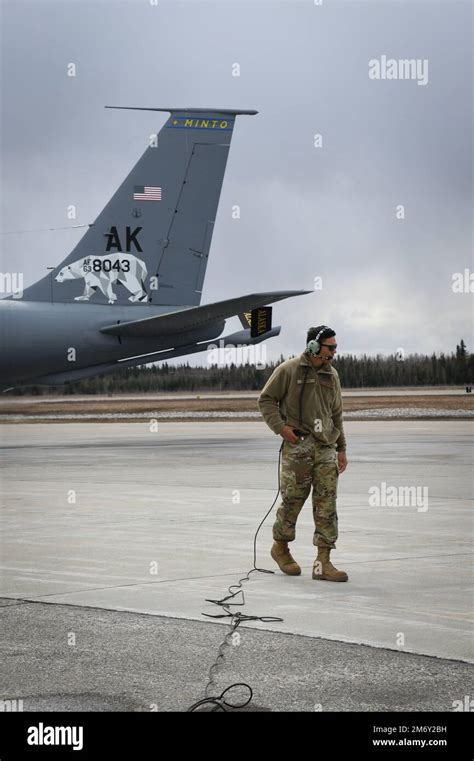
(236, 619)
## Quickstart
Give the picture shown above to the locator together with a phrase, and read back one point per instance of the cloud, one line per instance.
(305, 211)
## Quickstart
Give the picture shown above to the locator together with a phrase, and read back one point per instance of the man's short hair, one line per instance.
(313, 332)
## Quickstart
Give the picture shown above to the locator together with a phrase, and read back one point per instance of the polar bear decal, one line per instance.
(101, 272)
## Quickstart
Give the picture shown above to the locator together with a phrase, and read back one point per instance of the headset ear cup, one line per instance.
(313, 347)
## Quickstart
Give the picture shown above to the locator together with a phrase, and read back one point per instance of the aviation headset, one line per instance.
(313, 347)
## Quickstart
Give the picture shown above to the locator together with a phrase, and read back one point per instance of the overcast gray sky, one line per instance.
(306, 212)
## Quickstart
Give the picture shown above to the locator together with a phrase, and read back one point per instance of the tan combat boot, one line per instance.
(282, 555)
(323, 569)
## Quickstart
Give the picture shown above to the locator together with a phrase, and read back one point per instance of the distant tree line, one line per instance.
(355, 372)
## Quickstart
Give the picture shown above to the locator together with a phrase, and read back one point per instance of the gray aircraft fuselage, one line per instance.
(38, 337)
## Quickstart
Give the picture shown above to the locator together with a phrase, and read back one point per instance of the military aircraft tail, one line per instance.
(151, 241)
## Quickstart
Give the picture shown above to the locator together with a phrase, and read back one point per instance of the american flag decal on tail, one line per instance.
(146, 193)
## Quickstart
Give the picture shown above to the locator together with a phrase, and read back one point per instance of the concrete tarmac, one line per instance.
(122, 517)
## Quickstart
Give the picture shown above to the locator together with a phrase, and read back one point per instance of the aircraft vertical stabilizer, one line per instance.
(151, 242)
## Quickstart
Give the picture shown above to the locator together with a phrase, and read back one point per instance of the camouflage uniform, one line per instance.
(304, 465)
(312, 461)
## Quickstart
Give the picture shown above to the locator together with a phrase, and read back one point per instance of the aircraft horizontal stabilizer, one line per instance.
(240, 338)
(195, 317)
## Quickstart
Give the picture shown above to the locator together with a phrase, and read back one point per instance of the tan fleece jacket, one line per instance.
(321, 405)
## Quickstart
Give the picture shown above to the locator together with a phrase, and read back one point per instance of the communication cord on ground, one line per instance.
(219, 702)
